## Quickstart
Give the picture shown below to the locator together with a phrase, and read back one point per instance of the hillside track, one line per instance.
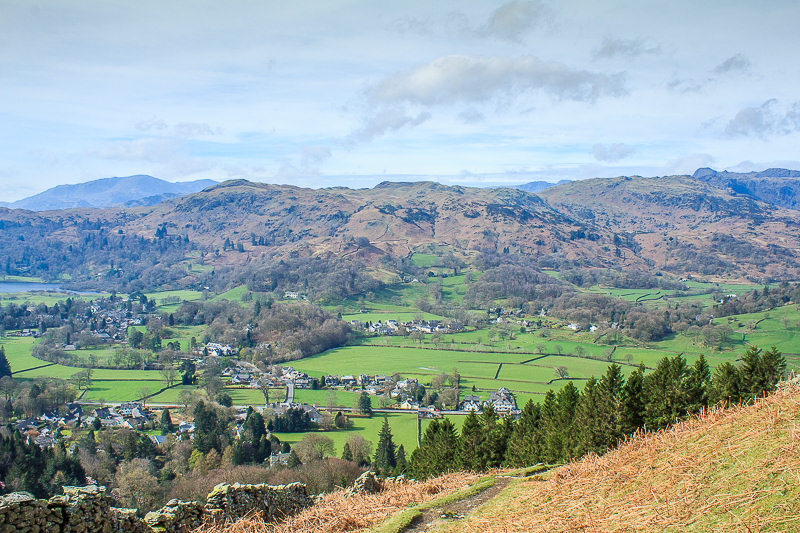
(433, 518)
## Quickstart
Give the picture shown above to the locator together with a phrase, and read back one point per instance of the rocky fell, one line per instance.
(680, 224)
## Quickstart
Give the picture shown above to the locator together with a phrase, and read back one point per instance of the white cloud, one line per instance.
(626, 48)
(735, 63)
(181, 129)
(305, 165)
(471, 116)
(513, 20)
(146, 150)
(688, 164)
(315, 155)
(509, 22)
(612, 152)
(385, 121)
(195, 129)
(765, 120)
(757, 166)
(460, 78)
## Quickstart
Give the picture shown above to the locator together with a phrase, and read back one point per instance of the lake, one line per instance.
(11, 287)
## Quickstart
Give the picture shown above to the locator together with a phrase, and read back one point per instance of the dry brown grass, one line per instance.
(735, 469)
(336, 512)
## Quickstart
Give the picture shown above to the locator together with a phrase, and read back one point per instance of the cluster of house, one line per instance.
(294, 295)
(131, 415)
(249, 378)
(25, 332)
(106, 325)
(395, 327)
(372, 384)
(214, 349)
(113, 324)
(283, 407)
(502, 401)
(252, 377)
(44, 430)
(574, 326)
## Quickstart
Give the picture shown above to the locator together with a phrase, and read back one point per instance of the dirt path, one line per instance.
(433, 518)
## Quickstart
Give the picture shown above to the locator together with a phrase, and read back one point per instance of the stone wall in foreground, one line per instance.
(88, 510)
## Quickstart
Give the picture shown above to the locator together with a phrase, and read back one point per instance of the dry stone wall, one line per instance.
(88, 510)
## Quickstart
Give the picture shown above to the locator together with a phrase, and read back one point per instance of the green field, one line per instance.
(234, 295)
(425, 260)
(341, 398)
(182, 295)
(18, 353)
(120, 391)
(403, 426)
(35, 298)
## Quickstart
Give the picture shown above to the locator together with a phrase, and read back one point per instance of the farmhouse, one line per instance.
(472, 403)
(503, 401)
(409, 404)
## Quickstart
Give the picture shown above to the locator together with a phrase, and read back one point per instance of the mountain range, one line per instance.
(710, 224)
(108, 192)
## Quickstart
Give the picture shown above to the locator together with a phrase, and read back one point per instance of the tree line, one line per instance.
(571, 423)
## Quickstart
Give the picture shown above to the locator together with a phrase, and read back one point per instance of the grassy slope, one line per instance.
(733, 470)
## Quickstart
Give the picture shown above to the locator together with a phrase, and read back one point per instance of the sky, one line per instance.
(339, 92)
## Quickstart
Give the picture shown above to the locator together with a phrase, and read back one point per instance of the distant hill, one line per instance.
(778, 186)
(674, 224)
(391, 218)
(109, 192)
(687, 225)
(536, 186)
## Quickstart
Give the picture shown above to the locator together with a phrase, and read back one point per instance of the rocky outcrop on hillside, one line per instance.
(777, 186)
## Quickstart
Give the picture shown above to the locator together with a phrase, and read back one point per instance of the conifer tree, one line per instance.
(5, 368)
(402, 464)
(750, 371)
(633, 402)
(385, 458)
(523, 444)
(293, 460)
(548, 421)
(438, 451)
(208, 430)
(470, 443)
(774, 367)
(365, 404)
(254, 427)
(493, 448)
(726, 385)
(611, 387)
(166, 422)
(665, 391)
(559, 414)
(588, 420)
(697, 385)
(263, 450)
(347, 455)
